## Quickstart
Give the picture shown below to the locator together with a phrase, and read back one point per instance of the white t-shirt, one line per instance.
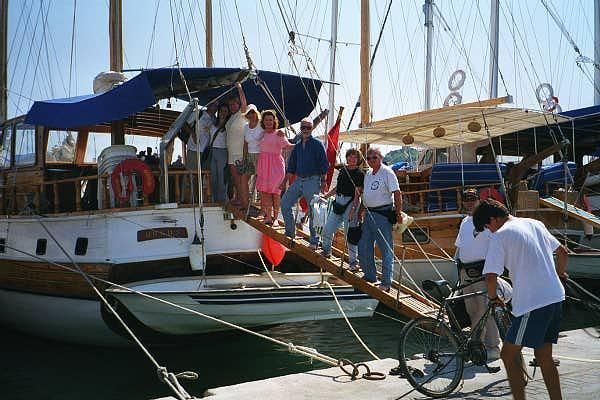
(205, 124)
(472, 245)
(235, 137)
(524, 246)
(379, 187)
(253, 137)
(221, 139)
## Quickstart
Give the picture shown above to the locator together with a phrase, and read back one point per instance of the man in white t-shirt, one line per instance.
(471, 249)
(381, 202)
(525, 247)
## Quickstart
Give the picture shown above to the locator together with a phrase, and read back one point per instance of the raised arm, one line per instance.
(242, 95)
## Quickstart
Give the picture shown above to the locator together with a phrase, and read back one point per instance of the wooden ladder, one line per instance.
(400, 298)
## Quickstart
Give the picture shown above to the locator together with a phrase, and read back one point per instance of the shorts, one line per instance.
(252, 160)
(536, 327)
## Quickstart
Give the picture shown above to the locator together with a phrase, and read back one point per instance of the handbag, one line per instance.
(206, 154)
(354, 234)
(339, 209)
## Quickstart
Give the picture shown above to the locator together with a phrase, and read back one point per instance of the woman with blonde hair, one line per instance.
(271, 166)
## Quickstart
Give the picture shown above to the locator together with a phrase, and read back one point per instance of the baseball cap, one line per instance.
(470, 193)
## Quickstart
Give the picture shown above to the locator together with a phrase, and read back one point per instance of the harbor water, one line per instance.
(34, 368)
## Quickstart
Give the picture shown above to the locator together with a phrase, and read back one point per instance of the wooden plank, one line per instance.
(402, 299)
(572, 211)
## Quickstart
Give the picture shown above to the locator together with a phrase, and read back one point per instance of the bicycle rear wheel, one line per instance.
(430, 357)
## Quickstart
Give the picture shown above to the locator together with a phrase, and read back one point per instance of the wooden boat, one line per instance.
(431, 192)
(59, 219)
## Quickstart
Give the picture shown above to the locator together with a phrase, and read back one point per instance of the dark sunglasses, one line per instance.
(372, 158)
(305, 128)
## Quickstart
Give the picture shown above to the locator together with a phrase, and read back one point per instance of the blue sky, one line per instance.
(532, 48)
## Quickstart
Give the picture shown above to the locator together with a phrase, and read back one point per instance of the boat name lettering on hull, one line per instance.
(161, 233)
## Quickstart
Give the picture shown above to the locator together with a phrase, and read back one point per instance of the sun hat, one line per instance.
(251, 107)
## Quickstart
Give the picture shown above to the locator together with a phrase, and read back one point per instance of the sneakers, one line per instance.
(383, 287)
(325, 254)
(354, 268)
(313, 246)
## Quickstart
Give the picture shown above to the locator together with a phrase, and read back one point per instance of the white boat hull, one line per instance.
(58, 318)
(257, 304)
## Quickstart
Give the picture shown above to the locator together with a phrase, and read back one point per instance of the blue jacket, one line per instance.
(308, 159)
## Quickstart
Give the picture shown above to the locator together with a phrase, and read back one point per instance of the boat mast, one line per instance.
(208, 44)
(597, 52)
(365, 70)
(115, 32)
(332, 54)
(494, 30)
(428, 10)
(3, 60)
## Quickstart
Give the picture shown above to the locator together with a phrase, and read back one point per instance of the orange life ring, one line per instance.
(126, 167)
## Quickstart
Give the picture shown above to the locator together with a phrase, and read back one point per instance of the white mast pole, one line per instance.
(332, 54)
(597, 52)
(494, 30)
(428, 10)
(3, 60)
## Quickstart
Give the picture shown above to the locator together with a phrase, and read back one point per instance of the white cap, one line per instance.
(251, 107)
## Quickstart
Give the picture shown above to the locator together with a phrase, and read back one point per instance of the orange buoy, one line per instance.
(273, 250)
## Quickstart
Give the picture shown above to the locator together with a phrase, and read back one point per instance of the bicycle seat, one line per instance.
(430, 284)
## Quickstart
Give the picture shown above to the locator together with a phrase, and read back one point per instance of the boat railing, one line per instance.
(80, 193)
(419, 201)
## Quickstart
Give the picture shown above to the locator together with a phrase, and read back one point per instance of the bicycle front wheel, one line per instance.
(430, 357)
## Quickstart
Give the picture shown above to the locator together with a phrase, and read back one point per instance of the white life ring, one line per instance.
(544, 91)
(457, 80)
(453, 99)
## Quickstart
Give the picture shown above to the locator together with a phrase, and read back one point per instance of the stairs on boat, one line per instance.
(404, 300)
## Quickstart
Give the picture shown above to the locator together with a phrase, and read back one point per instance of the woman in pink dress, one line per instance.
(271, 166)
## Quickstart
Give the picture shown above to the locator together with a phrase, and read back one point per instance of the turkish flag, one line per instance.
(332, 149)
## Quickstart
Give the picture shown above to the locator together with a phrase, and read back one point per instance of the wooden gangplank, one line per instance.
(400, 298)
(572, 211)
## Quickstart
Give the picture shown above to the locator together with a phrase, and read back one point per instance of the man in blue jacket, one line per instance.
(308, 162)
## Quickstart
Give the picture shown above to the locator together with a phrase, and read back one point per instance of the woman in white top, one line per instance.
(382, 200)
(235, 147)
(218, 155)
(253, 133)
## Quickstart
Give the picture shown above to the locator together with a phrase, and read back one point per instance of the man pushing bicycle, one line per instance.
(526, 248)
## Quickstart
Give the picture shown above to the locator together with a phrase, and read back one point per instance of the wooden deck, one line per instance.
(404, 300)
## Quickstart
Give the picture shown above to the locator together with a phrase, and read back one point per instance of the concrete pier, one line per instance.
(578, 351)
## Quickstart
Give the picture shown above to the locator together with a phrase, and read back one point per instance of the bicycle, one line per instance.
(432, 351)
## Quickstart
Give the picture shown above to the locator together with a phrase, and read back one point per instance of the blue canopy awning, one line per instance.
(295, 95)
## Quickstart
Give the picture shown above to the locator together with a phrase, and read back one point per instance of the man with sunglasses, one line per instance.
(524, 246)
(471, 249)
(308, 162)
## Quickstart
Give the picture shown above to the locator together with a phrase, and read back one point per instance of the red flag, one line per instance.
(332, 148)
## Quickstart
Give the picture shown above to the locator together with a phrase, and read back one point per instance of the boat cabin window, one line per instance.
(25, 145)
(61, 147)
(5, 150)
(97, 141)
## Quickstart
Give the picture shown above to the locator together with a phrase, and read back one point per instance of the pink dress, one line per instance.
(270, 169)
